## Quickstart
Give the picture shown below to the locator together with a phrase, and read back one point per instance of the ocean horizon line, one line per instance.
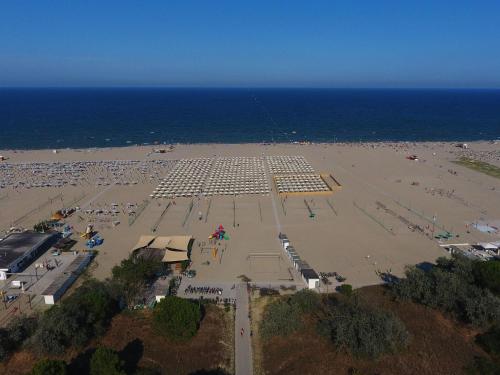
(167, 87)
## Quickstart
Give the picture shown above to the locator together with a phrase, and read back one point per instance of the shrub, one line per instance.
(176, 318)
(13, 336)
(49, 367)
(345, 289)
(41, 227)
(82, 316)
(451, 287)
(268, 292)
(105, 361)
(280, 318)
(487, 275)
(305, 301)
(363, 331)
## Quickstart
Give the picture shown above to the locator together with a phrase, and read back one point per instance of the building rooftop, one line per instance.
(309, 274)
(16, 245)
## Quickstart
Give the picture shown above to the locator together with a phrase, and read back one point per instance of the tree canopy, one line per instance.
(132, 275)
(362, 330)
(83, 315)
(106, 361)
(457, 285)
(176, 318)
(49, 367)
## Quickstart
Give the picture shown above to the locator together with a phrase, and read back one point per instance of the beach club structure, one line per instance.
(169, 249)
(19, 250)
(309, 276)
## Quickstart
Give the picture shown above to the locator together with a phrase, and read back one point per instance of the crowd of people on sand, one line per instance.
(485, 156)
(457, 149)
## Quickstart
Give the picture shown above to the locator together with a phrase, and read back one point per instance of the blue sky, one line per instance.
(362, 43)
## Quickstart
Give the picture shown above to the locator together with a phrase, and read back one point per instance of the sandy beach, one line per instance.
(366, 226)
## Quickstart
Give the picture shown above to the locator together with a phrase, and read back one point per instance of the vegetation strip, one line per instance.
(479, 166)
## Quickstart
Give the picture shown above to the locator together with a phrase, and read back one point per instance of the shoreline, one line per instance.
(263, 144)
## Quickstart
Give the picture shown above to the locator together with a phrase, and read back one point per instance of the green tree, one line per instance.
(106, 361)
(49, 367)
(487, 275)
(176, 318)
(132, 275)
(82, 316)
(452, 286)
(16, 332)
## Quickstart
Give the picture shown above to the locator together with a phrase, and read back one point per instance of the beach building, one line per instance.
(488, 246)
(63, 281)
(310, 277)
(19, 250)
(168, 249)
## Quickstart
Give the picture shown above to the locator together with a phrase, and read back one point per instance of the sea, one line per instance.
(39, 118)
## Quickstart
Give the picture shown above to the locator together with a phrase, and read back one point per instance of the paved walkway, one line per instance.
(242, 342)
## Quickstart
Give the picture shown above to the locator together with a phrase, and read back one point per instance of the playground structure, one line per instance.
(89, 232)
(94, 241)
(219, 234)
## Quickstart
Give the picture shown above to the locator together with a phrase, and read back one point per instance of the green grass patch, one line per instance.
(480, 166)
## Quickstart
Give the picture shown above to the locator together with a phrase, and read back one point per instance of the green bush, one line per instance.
(280, 318)
(487, 274)
(345, 289)
(451, 287)
(41, 227)
(176, 318)
(105, 361)
(363, 331)
(49, 367)
(305, 300)
(13, 336)
(82, 316)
